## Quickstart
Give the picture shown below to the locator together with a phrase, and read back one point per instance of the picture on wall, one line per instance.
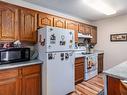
(118, 37)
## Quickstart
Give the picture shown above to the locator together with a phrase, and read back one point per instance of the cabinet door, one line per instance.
(28, 25)
(87, 29)
(113, 86)
(31, 84)
(100, 63)
(81, 28)
(79, 72)
(31, 80)
(10, 87)
(59, 22)
(94, 35)
(9, 82)
(73, 26)
(8, 22)
(45, 20)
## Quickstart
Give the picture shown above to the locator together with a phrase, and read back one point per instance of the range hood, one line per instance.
(80, 35)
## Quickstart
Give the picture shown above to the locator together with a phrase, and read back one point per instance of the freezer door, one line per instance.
(60, 73)
(58, 39)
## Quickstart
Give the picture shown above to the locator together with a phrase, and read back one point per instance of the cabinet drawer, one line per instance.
(31, 69)
(79, 73)
(79, 60)
(100, 63)
(6, 74)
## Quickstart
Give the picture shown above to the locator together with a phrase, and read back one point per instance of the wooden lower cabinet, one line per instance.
(13, 82)
(100, 62)
(113, 86)
(10, 86)
(9, 82)
(31, 84)
(79, 70)
(31, 80)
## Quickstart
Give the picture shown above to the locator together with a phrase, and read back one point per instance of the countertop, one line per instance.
(20, 64)
(119, 71)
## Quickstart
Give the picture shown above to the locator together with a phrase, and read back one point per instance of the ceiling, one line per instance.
(78, 8)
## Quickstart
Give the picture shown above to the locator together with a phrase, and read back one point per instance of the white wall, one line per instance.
(114, 52)
(43, 9)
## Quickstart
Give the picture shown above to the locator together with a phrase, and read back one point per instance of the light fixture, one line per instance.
(100, 6)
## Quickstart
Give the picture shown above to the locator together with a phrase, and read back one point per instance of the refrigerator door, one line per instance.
(57, 39)
(60, 73)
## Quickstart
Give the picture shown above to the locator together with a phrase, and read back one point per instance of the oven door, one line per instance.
(90, 63)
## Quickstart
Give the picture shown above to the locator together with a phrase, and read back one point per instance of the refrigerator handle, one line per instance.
(71, 53)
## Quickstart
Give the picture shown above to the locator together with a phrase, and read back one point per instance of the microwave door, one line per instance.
(10, 55)
(5, 56)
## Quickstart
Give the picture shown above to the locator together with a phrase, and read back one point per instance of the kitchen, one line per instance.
(45, 51)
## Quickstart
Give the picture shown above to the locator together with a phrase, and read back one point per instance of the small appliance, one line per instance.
(11, 55)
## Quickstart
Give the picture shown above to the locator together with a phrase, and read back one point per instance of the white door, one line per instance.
(58, 39)
(60, 73)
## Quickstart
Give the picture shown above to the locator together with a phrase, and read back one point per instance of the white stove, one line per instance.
(90, 63)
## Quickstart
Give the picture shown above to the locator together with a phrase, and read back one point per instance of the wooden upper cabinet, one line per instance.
(59, 22)
(94, 35)
(8, 22)
(81, 28)
(87, 29)
(45, 20)
(73, 26)
(28, 27)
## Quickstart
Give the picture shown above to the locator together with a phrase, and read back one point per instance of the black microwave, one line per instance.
(11, 55)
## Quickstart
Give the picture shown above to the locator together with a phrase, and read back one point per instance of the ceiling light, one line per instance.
(100, 6)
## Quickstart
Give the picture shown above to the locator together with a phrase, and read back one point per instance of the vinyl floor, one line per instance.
(94, 86)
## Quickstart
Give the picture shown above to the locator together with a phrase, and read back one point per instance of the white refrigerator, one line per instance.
(56, 46)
